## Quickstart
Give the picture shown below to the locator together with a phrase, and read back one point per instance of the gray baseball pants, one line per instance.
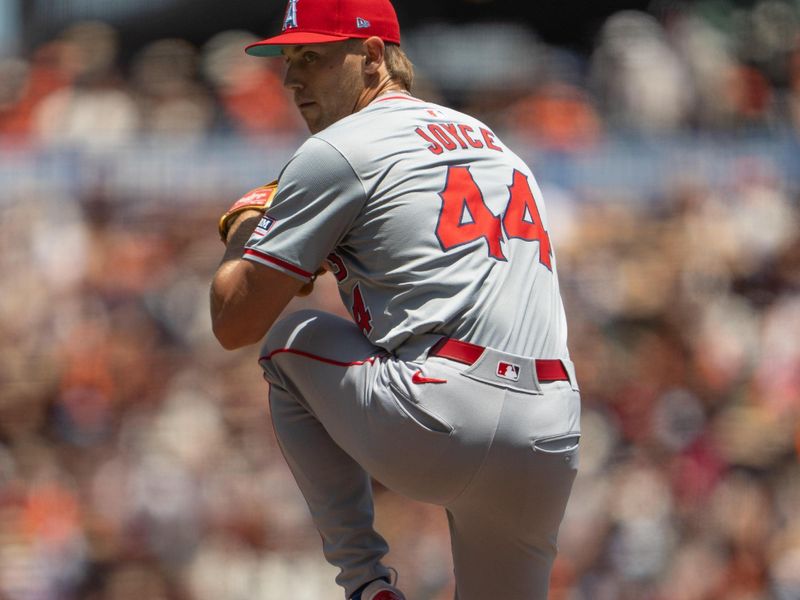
(501, 460)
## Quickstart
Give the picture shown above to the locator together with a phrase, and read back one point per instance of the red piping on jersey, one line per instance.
(329, 361)
(277, 261)
(398, 98)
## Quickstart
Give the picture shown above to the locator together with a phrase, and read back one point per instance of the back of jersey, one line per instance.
(452, 237)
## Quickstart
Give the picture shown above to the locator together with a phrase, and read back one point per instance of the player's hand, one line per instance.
(258, 199)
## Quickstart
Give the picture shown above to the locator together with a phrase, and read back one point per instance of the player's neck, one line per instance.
(386, 85)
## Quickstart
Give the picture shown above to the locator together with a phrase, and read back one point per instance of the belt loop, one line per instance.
(418, 348)
(431, 349)
(435, 348)
(573, 379)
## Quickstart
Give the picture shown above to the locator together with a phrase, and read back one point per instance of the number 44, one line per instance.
(520, 220)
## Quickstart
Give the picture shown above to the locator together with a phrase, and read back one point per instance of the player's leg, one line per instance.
(407, 435)
(342, 409)
(505, 525)
(305, 364)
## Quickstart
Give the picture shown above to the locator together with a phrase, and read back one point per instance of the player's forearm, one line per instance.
(229, 301)
(246, 298)
(229, 289)
(238, 234)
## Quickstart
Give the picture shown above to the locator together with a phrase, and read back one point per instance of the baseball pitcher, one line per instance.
(452, 384)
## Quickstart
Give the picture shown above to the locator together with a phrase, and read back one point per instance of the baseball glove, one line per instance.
(257, 199)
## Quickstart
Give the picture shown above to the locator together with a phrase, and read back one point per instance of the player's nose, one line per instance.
(291, 80)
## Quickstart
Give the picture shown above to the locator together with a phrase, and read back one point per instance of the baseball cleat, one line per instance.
(387, 595)
(380, 590)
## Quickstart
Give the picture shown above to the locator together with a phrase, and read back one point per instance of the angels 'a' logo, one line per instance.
(508, 371)
(290, 20)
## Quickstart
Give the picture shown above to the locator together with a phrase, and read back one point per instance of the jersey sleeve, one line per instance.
(318, 198)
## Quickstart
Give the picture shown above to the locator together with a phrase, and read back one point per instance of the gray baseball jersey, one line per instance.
(430, 225)
(434, 229)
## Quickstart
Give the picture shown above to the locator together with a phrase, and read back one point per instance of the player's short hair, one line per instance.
(400, 67)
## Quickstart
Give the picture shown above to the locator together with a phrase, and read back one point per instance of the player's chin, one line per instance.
(313, 126)
(313, 120)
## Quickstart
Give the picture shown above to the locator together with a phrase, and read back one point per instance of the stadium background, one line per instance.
(136, 457)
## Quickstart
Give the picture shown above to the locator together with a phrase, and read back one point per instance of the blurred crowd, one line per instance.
(72, 90)
(709, 65)
(137, 459)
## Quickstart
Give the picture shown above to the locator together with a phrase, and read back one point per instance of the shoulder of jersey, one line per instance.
(402, 103)
(427, 111)
(370, 121)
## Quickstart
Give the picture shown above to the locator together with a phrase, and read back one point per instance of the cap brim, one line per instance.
(272, 46)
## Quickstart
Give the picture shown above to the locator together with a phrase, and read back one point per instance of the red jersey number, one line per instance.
(465, 217)
(361, 314)
(521, 219)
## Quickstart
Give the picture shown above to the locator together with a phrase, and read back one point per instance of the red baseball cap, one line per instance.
(321, 21)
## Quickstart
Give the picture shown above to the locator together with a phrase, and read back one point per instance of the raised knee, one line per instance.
(286, 331)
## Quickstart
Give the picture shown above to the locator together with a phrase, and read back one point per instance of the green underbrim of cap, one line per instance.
(264, 51)
(272, 46)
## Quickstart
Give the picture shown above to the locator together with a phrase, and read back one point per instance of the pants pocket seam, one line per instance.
(409, 408)
(538, 447)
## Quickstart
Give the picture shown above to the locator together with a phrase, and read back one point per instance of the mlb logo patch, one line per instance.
(508, 371)
(264, 225)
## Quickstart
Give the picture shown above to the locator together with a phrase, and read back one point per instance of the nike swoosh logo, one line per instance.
(418, 378)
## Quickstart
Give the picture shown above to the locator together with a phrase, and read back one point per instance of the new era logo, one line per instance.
(362, 23)
(508, 371)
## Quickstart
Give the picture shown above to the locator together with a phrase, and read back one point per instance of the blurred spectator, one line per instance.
(25, 85)
(557, 112)
(96, 110)
(173, 102)
(556, 116)
(794, 87)
(751, 95)
(638, 77)
(13, 78)
(250, 90)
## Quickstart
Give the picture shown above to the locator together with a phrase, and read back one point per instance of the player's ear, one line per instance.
(374, 51)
